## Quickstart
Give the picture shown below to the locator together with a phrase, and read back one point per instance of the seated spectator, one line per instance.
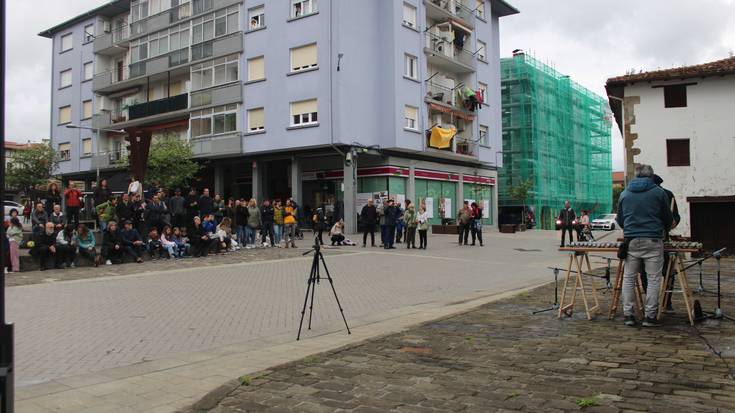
(167, 242)
(337, 232)
(14, 232)
(57, 217)
(44, 246)
(112, 244)
(106, 212)
(66, 247)
(209, 224)
(154, 244)
(182, 242)
(224, 235)
(124, 209)
(38, 219)
(199, 239)
(85, 242)
(133, 242)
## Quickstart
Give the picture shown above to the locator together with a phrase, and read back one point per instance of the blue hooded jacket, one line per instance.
(643, 210)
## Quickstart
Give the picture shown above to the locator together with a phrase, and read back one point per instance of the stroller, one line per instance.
(585, 234)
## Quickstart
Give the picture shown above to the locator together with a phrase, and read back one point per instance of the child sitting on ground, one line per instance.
(154, 244)
(167, 243)
(179, 238)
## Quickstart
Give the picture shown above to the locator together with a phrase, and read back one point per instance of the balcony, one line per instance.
(112, 42)
(446, 97)
(443, 53)
(442, 10)
(158, 107)
(458, 146)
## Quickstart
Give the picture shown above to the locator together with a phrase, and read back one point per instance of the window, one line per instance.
(86, 109)
(217, 120)
(215, 24)
(64, 115)
(675, 96)
(139, 10)
(65, 151)
(257, 18)
(180, 9)
(302, 7)
(256, 68)
(88, 71)
(482, 51)
(214, 72)
(67, 42)
(65, 78)
(304, 113)
(483, 91)
(256, 120)
(201, 6)
(303, 58)
(409, 15)
(87, 146)
(88, 33)
(411, 69)
(484, 136)
(411, 114)
(480, 9)
(677, 152)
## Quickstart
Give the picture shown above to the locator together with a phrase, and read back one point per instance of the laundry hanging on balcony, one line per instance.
(469, 98)
(441, 138)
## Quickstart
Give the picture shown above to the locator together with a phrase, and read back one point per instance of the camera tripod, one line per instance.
(314, 278)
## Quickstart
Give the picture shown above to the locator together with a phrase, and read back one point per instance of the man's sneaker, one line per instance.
(651, 322)
(630, 321)
(72, 265)
(108, 262)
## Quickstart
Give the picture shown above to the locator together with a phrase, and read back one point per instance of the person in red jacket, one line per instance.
(73, 200)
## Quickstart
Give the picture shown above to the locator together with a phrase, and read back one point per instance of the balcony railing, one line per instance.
(444, 46)
(157, 107)
(459, 145)
(454, 8)
(443, 94)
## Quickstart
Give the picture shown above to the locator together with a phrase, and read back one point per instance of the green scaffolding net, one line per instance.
(557, 134)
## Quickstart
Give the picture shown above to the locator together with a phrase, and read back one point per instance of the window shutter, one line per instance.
(303, 57)
(411, 112)
(65, 114)
(87, 146)
(87, 109)
(256, 119)
(256, 68)
(305, 106)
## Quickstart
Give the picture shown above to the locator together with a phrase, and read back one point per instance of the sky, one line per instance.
(589, 40)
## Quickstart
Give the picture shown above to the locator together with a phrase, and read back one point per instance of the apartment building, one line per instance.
(326, 101)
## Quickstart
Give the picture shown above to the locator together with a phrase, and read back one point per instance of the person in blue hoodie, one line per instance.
(644, 215)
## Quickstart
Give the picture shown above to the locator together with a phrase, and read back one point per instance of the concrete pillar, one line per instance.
(296, 192)
(219, 180)
(256, 181)
(411, 186)
(350, 197)
(460, 193)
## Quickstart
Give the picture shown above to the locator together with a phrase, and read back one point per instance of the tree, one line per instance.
(169, 162)
(520, 192)
(31, 167)
(616, 197)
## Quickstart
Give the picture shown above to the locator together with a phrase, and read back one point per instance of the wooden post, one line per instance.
(140, 145)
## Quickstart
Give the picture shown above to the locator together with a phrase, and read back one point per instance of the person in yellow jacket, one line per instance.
(289, 224)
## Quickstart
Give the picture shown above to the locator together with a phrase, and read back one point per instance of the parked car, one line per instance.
(12, 205)
(605, 222)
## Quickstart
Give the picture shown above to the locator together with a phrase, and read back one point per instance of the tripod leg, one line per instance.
(315, 277)
(306, 299)
(331, 283)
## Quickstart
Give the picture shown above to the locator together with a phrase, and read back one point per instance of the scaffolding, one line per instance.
(557, 134)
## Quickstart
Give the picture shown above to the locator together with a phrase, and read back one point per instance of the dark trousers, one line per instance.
(201, 248)
(564, 230)
(422, 238)
(464, 233)
(112, 254)
(90, 254)
(390, 236)
(383, 234)
(43, 253)
(72, 215)
(267, 230)
(337, 238)
(369, 230)
(319, 232)
(179, 220)
(476, 234)
(135, 251)
(399, 232)
(66, 253)
(410, 237)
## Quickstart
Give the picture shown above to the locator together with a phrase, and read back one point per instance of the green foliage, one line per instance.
(245, 380)
(31, 167)
(520, 191)
(169, 163)
(587, 402)
(616, 197)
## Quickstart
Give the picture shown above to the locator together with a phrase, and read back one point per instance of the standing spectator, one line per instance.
(133, 242)
(644, 213)
(73, 199)
(289, 224)
(176, 206)
(423, 220)
(337, 232)
(66, 246)
(368, 218)
(155, 246)
(192, 204)
(86, 243)
(400, 223)
(383, 227)
(218, 208)
(319, 221)
(57, 217)
(156, 210)
(464, 219)
(101, 195)
(135, 187)
(112, 244)
(567, 219)
(106, 212)
(166, 215)
(27, 209)
(198, 238)
(277, 222)
(206, 204)
(15, 237)
(38, 219)
(266, 223)
(53, 197)
(139, 211)
(44, 246)
(124, 209)
(476, 223)
(241, 221)
(411, 221)
(391, 217)
(253, 222)
(230, 212)
(168, 243)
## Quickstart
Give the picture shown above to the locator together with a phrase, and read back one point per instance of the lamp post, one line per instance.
(97, 138)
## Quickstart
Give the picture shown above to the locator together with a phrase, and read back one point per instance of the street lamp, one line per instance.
(97, 138)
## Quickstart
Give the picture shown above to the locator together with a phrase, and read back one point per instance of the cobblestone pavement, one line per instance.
(499, 357)
(84, 326)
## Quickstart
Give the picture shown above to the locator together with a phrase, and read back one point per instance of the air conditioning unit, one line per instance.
(106, 26)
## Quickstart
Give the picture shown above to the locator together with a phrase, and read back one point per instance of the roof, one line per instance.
(716, 68)
(18, 146)
(618, 176)
(502, 8)
(109, 9)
